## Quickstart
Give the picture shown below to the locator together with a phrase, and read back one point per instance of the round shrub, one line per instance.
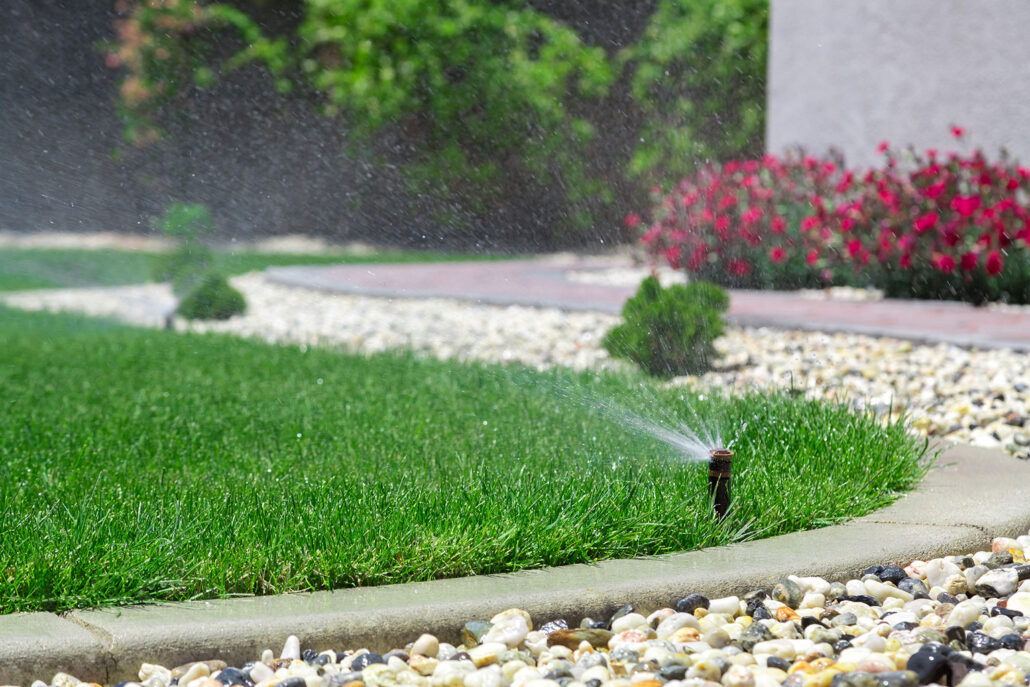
(213, 298)
(669, 331)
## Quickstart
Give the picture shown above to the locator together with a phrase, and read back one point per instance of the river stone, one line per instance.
(788, 592)
(473, 631)
(691, 603)
(572, 638)
(426, 645)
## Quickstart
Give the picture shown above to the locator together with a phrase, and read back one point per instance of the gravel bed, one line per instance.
(960, 620)
(972, 396)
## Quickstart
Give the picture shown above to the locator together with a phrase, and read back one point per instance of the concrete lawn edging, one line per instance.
(970, 496)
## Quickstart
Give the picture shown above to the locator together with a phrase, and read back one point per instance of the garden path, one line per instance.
(548, 282)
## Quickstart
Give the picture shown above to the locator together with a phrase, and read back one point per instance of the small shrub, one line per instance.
(669, 332)
(213, 298)
(191, 260)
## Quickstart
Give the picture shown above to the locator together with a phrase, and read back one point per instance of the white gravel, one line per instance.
(975, 396)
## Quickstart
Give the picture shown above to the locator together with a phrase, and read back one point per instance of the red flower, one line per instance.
(994, 263)
(854, 246)
(884, 145)
(777, 254)
(812, 257)
(926, 222)
(944, 263)
(698, 257)
(778, 226)
(958, 132)
(632, 220)
(651, 234)
(738, 267)
(935, 190)
(965, 205)
(727, 202)
(752, 215)
(809, 223)
(968, 261)
(673, 254)
(906, 260)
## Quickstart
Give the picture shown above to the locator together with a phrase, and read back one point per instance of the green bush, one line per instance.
(213, 298)
(669, 332)
(497, 113)
(190, 260)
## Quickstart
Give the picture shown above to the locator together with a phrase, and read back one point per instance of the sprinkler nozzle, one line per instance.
(720, 465)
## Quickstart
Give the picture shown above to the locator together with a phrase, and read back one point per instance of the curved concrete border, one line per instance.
(970, 496)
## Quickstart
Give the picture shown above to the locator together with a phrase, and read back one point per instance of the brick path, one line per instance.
(545, 283)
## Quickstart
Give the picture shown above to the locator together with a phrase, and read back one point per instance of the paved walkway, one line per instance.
(546, 283)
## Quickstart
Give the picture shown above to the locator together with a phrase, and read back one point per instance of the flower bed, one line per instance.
(924, 225)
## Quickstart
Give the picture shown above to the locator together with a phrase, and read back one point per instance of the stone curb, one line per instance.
(970, 496)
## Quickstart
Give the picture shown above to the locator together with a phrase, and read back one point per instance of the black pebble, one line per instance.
(762, 614)
(946, 598)
(673, 672)
(974, 626)
(930, 663)
(978, 642)
(599, 625)
(886, 573)
(625, 655)
(563, 681)
(753, 604)
(292, 682)
(320, 660)
(625, 610)
(460, 656)
(364, 660)
(777, 662)
(692, 602)
(914, 587)
(1012, 641)
(860, 598)
(308, 655)
(554, 626)
(841, 645)
(555, 674)
(955, 634)
(998, 610)
(906, 625)
(808, 621)
(399, 653)
(340, 655)
(593, 683)
(234, 676)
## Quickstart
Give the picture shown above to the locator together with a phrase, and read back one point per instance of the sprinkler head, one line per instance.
(720, 465)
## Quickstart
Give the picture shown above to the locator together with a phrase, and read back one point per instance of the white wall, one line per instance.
(851, 73)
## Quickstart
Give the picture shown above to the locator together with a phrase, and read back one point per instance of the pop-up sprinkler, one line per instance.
(720, 464)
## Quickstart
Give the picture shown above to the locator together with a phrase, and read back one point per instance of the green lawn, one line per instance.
(142, 465)
(37, 268)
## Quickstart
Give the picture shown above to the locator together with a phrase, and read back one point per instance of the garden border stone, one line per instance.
(968, 497)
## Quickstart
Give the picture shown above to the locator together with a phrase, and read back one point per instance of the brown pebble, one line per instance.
(649, 683)
(572, 638)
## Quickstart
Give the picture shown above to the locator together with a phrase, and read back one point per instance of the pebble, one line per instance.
(884, 638)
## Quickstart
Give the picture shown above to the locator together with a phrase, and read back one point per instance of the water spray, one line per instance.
(720, 464)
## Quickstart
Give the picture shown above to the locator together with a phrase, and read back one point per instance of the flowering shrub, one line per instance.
(921, 226)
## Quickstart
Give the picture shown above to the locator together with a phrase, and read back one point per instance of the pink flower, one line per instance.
(651, 234)
(632, 220)
(926, 222)
(935, 190)
(968, 261)
(673, 254)
(965, 205)
(944, 263)
(994, 263)
(854, 246)
(958, 132)
(884, 145)
(777, 254)
(738, 267)
(812, 257)
(778, 225)
(905, 260)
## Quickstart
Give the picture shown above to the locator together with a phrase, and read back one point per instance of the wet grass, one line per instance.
(43, 268)
(143, 465)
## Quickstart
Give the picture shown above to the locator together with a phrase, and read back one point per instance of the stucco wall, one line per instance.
(851, 73)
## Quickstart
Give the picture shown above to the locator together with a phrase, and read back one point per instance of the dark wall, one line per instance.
(265, 164)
